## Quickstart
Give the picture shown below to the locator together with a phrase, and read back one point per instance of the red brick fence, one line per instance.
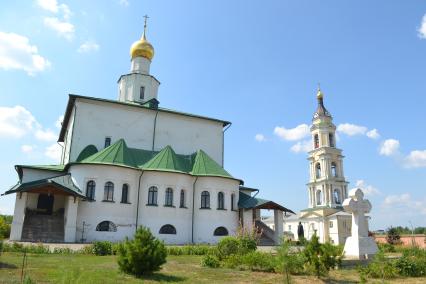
(407, 240)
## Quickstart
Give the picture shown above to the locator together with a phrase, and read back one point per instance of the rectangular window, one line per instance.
(232, 201)
(289, 227)
(142, 93)
(107, 141)
(331, 224)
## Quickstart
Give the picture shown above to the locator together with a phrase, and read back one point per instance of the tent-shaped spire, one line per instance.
(117, 153)
(167, 160)
(206, 166)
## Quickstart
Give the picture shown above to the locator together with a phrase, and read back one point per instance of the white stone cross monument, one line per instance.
(359, 245)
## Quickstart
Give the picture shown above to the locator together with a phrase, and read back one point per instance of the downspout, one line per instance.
(223, 143)
(153, 135)
(137, 202)
(193, 209)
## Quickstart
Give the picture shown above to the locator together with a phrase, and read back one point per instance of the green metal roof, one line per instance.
(119, 154)
(87, 152)
(246, 201)
(63, 182)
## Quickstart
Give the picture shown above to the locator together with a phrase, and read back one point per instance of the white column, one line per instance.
(248, 219)
(18, 216)
(278, 221)
(70, 216)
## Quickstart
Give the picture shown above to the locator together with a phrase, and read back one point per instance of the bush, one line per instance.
(380, 267)
(386, 247)
(191, 250)
(393, 237)
(86, 249)
(412, 263)
(142, 255)
(4, 228)
(320, 258)
(247, 239)
(289, 263)
(210, 261)
(228, 246)
(102, 248)
(259, 261)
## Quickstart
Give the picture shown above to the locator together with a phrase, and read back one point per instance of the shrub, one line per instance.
(102, 248)
(227, 246)
(191, 250)
(259, 261)
(4, 228)
(393, 236)
(386, 247)
(248, 239)
(142, 255)
(380, 267)
(412, 263)
(289, 263)
(86, 249)
(210, 261)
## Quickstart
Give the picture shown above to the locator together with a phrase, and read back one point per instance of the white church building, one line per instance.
(327, 187)
(128, 163)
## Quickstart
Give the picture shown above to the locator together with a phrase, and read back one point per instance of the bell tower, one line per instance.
(139, 86)
(327, 187)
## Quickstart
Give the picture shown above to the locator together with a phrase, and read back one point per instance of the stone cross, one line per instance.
(359, 245)
(358, 206)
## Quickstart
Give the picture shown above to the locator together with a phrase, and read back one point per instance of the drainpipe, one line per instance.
(137, 202)
(193, 209)
(153, 135)
(223, 144)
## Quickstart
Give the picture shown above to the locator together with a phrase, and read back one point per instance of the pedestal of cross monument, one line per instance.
(359, 245)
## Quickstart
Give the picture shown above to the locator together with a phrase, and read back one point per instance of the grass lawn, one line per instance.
(56, 268)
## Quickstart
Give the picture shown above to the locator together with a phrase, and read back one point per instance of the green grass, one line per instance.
(57, 268)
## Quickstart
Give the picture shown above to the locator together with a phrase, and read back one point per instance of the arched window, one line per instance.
(319, 197)
(220, 200)
(125, 193)
(318, 170)
(109, 191)
(182, 199)
(90, 190)
(232, 201)
(169, 197)
(205, 199)
(336, 195)
(106, 226)
(152, 195)
(316, 141)
(333, 169)
(331, 139)
(167, 230)
(220, 231)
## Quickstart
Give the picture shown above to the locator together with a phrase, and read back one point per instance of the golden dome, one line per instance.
(142, 48)
(319, 94)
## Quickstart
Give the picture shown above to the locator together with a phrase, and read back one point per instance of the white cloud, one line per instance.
(27, 148)
(416, 159)
(53, 152)
(124, 3)
(351, 129)
(17, 53)
(54, 7)
(15, 122)
(389, 147)
(405, 203)
(373, 134)
(46, 135)
(63, 28)
(292, 134)
(59, 121)
(260, 137)
(88, 46)
(422, 28)
(367, 188)
(302, 146)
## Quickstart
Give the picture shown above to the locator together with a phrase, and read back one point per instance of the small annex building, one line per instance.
(128, 163)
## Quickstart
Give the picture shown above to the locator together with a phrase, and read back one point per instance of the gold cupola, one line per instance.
(142, 48)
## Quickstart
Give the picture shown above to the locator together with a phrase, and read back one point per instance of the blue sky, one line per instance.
(254, 63)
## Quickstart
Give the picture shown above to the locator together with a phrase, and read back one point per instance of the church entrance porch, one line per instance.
(45, 210)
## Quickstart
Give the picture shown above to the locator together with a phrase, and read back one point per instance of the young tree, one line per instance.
(393, 237)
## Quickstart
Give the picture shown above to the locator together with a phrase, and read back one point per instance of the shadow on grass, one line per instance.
(4, 265)
(335, 281)
(160, 277)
